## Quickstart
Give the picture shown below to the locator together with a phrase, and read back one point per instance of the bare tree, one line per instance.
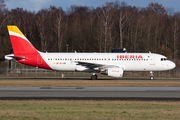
(123, 18)
(3, 12)
(175, 28)
(107, 20)
(58, 23)
(41, 23)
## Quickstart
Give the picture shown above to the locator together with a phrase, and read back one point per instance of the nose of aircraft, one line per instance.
(172, 65)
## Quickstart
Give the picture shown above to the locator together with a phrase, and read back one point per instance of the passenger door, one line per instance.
(152, 60)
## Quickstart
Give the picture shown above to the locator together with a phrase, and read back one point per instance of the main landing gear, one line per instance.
(151, 75)
(94, 77)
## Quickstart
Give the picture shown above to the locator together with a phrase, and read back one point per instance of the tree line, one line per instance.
(88, 29)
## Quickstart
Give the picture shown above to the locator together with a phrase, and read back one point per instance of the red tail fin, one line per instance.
(19, 42)
(24, 51)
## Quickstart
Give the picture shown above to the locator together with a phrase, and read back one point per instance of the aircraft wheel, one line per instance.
(94, 77)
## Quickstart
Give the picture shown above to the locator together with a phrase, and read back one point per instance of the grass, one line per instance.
(88, 83)
(88, 110)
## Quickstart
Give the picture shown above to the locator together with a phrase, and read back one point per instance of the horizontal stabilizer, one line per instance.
(12, 57)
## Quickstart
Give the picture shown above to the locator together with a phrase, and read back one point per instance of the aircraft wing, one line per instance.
(98, 66)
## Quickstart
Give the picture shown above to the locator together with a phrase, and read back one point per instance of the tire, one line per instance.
(94, 77)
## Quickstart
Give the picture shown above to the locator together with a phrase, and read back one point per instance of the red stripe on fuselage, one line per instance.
(32, 59)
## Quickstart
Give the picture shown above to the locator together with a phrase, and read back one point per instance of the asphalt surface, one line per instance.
(169, 79)
(91, 93)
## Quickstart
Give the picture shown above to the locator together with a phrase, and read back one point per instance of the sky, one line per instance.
(36, 5)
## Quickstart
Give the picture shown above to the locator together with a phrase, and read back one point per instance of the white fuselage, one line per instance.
(127, 61)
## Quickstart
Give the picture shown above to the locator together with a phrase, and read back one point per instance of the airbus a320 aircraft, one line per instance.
(111, 64)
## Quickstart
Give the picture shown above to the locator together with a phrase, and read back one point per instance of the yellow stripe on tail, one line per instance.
(15, 29)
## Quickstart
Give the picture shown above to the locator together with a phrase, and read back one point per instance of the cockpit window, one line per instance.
(164, 59)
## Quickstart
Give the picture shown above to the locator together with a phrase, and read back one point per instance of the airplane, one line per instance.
(111, 64)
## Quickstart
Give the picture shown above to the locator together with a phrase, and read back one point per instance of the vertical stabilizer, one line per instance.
(24, 51)
(19, 42)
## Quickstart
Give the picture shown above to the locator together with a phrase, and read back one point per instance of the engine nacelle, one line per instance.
(115, 72)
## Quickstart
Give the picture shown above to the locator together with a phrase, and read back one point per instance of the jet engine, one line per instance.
(115, 72)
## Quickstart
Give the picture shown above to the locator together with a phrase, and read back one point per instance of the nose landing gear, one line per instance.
(151, 75)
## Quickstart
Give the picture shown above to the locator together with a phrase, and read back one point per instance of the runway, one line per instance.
(169, 79)
(91, 93)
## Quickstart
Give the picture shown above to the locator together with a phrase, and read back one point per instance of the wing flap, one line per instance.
(96, 66)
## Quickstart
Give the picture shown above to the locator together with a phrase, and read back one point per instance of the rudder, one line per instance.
(19, 42)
